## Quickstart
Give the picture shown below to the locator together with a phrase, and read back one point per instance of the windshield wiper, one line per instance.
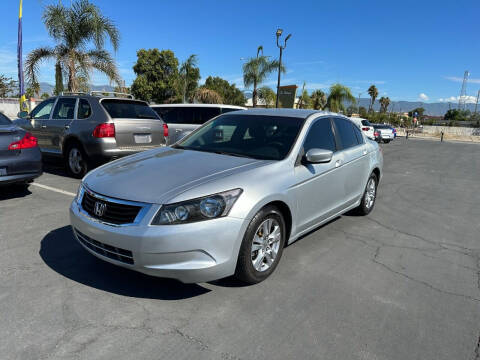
(232, 154)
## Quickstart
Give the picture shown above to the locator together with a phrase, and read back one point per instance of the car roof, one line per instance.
(294, 113)
(200, 105)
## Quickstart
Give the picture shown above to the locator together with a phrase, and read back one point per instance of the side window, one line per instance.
(64, 109)
(227, 110)
(346, 133)
(320, 136)
(358, 134)
(203, 114)
(185, 115)
(42, 111)
(84, 110)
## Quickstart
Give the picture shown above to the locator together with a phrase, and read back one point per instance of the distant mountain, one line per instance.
(48, 88)
(434, 109)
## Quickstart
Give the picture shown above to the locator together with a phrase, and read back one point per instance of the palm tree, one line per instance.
(73, 29)
(256, 70)
(373, 92)
(384, 103)
(318, 99)
(207, 96)
(185, 70)
(266, 95)
(338, 94)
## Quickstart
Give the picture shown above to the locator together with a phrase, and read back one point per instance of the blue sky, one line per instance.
(411, 50)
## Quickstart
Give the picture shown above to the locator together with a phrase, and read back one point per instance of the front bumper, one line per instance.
(192, 253)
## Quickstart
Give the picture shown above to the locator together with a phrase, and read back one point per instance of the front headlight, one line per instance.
(204, 208)
(79, 196)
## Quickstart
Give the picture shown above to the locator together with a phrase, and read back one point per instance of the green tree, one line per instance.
(373, 92)
(384, 103)
(318, 100)
(207, 96)
(29, 93)
(256, 71)
(45, 96)
(8, 86)
(304, 101)
(189, 74)
(157, 76)
(74, 29)
(337, 96)
(58, 79)
(457, 115)
(352, 109)
(362, 111)
(267, 96)
(229, 93)
(419, 110)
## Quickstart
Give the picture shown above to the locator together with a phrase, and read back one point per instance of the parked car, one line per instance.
(365, 126)
(182, 119)
(228, 197)
(383, 133)
(88, 129)
(20, 158)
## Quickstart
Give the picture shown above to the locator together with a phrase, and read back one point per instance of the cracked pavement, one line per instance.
(402, 283)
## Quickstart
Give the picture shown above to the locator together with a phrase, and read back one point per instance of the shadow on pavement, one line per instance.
(13, 192)
(62, 253)
(54, 166)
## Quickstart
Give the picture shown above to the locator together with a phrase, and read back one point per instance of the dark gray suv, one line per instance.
(89, 129)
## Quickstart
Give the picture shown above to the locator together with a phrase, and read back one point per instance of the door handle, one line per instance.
(178, 130)
(338, 163)
(364, 152)
(67, 127)
(44, 126)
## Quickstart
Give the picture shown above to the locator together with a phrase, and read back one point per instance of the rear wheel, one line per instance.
(76, 161)
(262, 246)
(386, 141)
(369, 196)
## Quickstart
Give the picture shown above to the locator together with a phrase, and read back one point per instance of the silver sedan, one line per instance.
(226, 199)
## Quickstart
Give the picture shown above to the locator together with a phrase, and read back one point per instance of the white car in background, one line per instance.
(365, 126)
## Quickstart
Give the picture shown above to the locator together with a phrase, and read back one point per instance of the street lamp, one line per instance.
(278, 34)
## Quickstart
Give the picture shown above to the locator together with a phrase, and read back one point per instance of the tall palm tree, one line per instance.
(318, 99)
(256, 70)
(338, 94)
(185, 70)
(267, 96)
(207, 96)
(373, 92)
(73, 29)
(384, 103)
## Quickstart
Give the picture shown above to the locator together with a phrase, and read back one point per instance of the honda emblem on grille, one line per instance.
(99, 208)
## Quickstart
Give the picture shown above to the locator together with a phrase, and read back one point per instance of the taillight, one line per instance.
(104, 130)
(365, 128)
(165, 130)
(376, 133)
(28, 141)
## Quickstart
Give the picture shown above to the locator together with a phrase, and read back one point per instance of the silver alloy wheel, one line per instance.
(370, 193)
(75, 160)
(265, 245)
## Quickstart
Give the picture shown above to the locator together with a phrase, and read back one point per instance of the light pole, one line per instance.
(279, 33)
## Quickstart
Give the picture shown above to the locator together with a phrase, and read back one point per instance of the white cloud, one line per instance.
(423, 96)
(460, 79)
(454, 99)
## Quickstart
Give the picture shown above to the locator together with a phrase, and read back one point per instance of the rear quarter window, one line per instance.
(128, 109)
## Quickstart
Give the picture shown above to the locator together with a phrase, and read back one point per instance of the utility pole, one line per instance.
(278, 34)
(463, 92)
(476, 103)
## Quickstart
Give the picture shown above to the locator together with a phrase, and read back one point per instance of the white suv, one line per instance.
(365, 126)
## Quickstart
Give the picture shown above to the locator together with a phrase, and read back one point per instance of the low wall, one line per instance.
(11, 107)
(451, 130)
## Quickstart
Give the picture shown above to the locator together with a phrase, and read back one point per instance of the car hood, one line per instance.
(156, 176)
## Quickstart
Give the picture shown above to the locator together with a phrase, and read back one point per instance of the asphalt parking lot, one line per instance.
(402, 283)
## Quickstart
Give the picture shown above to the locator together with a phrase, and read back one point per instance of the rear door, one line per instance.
(61, 119)
(355, 165)
(137, 126)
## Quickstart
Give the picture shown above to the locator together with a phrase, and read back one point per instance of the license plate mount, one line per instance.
(142, 138)
(3, 171)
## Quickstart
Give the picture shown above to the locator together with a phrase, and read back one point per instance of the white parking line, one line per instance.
(53, 189)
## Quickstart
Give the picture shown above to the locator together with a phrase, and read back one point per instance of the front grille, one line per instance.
(114, 213)
(111, 252)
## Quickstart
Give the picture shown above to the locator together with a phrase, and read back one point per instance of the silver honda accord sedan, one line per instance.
(226, 199)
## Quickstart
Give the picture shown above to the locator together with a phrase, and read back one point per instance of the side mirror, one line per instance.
(317, 156)
(23, 115)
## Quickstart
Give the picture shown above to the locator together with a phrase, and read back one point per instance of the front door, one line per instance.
(62, 117)
(318, 188)
(38, 120)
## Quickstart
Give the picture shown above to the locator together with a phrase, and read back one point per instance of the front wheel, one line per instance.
(76, 161)
(262, 246)
(369, 196)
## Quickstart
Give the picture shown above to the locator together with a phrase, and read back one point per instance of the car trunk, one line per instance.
(138, 133)
(386, 132)
(8, 135)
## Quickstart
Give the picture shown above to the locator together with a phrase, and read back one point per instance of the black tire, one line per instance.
(364, 208)
(386, 141)
(245, 270)
(83, 167)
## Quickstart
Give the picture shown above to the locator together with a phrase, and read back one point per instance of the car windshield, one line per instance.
(382, 126)
(4, 120)
(366, 123)
(128, 109)
(254, 136)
